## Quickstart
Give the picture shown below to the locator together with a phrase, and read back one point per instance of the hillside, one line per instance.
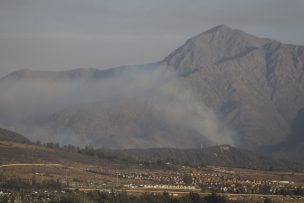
(7, 135)
(13, 152)
(223, 155)
(15, 148)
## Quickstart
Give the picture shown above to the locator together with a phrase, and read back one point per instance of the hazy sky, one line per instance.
(66, 34)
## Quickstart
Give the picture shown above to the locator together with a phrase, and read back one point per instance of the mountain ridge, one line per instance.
(254, 85)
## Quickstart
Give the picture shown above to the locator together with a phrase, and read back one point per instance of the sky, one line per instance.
(67, 34)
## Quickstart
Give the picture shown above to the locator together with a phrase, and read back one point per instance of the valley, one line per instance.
(43, 169)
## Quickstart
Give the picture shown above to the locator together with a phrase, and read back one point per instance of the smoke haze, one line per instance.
(155, 89)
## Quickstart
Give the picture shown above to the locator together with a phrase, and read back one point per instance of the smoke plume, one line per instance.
(156, 89)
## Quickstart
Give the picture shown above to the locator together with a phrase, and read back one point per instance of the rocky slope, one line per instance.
(255, 84)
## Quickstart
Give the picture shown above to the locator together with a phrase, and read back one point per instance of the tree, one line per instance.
(214, 198)
(267, 200)
(195, 198)
(187, 179)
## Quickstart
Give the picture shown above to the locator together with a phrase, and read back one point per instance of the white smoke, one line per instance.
(158, 88)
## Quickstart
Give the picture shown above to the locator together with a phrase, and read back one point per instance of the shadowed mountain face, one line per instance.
(297, 127)
(293, 147)
(221, 86)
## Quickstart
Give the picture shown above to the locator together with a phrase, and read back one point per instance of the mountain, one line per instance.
(221, 86)
(255, 84)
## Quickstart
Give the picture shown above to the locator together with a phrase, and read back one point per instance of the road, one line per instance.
(9, 165)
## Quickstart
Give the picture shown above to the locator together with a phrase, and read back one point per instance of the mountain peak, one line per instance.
(213, 46)
(221, 28)
(226, 33)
